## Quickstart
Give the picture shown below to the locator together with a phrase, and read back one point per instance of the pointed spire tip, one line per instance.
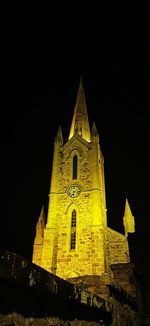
(80, 123)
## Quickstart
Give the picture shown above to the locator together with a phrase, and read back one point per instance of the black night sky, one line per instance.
(43, 53)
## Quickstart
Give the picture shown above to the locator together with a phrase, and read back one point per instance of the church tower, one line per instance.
(76, 240)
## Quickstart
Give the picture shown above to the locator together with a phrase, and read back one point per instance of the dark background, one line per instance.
(44, 51)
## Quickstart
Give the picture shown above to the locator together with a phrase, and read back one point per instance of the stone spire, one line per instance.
(80, 122)
(128, 219)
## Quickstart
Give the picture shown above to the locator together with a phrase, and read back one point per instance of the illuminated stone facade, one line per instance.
(76, 240)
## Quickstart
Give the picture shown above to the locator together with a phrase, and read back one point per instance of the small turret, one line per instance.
(40, 227)
(39, 238)
(128, 220)
(59, 137)
(94, 132)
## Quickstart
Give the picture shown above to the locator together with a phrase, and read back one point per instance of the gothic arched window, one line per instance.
(75, 166)
(73, 230)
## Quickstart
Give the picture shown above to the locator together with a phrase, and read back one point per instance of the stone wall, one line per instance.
(121, 292)
(141, 258)
(128, 285)
(118, 247)
(32, 296)
(19, 320)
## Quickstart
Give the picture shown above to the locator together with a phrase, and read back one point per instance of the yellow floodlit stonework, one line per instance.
(76, 240)
(128, 219)
(80, 123)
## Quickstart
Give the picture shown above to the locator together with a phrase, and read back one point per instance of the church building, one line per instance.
(74, 240)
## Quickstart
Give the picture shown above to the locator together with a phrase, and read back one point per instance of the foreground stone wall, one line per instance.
(141, 258)
(125, 303)
(30, 295)
(18, 320)
(36, 296)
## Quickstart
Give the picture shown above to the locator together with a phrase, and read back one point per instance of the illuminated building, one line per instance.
(76, 240)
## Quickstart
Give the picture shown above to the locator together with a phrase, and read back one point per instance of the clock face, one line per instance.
(73, 191)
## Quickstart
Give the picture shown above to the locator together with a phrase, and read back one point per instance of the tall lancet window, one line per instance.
(75, 166)
(73, 230)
